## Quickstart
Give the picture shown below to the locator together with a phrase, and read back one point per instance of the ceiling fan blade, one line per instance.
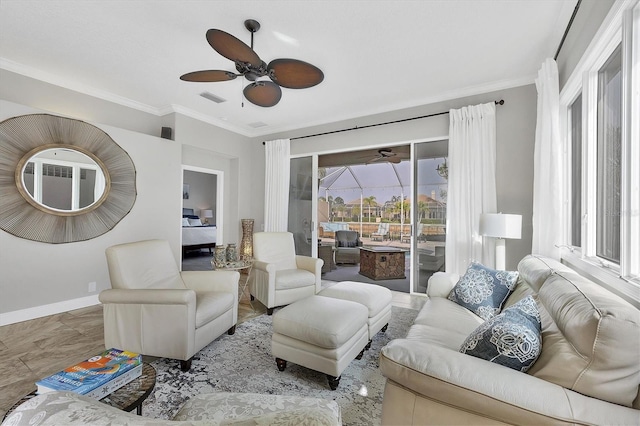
(263, 93)
(232, 48)
(294, 74)
(208, 76)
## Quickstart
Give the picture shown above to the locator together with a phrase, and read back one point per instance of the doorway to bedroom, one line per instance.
(201, 216)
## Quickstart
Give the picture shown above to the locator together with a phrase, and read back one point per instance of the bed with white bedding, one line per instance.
(196, 236)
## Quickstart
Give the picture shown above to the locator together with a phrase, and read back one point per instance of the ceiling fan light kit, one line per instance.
(284, 72)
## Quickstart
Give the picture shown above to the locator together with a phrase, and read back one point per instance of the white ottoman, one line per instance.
(377, 299)
(320, 333)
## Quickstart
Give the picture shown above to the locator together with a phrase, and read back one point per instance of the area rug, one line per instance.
(243, 363)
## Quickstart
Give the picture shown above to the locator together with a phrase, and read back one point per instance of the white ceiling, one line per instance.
(376, 55)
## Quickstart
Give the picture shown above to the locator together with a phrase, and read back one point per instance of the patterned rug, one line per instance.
(243, 363)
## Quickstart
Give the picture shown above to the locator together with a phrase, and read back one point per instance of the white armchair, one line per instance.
(279, 276)
(154, 309)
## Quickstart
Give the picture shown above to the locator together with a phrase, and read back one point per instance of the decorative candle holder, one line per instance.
(220, 256)
(232, 253)
(246, 244)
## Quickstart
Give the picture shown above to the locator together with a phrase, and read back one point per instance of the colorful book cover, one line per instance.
(84, 377)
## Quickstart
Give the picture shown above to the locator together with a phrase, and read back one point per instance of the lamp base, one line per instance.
(500, 254)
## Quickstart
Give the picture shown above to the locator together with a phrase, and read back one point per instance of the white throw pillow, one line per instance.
(195, 222)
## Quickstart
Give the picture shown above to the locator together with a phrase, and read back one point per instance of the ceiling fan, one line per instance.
(385, 154)
(285, 72)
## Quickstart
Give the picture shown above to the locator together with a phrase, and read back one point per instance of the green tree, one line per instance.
(368, 202)
(423, 209)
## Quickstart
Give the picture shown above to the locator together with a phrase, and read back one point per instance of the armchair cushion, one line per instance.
(294, 278)
(210, 304)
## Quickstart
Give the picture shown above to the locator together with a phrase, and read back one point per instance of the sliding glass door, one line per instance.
(429, 207)
(302, 193)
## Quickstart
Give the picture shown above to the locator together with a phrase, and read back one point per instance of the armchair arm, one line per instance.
(441, 283)
(264, 266)
(155, 322)
(199, 281)
(148, 296)
(313, 265)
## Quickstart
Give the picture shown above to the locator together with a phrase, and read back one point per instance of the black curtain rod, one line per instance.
(500, 102)
(566, 31)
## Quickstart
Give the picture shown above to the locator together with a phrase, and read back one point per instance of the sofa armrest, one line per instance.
(490, 390)
(313, 265)
(441, 283)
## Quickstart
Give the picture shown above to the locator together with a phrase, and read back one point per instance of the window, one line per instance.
(609, 159)
(576, 172)
(601, 103)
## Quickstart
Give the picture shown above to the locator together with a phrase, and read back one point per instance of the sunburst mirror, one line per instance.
(62, 180)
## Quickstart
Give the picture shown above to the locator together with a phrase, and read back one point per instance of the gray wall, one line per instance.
(202, 187)
(34, 274)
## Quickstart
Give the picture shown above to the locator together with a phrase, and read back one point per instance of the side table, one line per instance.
(239, 266)
(128, 397)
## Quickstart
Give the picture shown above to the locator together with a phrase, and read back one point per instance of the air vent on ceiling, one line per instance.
(257, 124)
(212, 97)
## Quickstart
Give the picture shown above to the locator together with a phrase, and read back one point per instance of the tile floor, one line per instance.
(33, 349)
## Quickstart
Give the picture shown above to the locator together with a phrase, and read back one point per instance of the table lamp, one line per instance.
(207, 214)
(501, 226)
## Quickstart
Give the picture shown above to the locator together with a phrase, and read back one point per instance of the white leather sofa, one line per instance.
(587, 373)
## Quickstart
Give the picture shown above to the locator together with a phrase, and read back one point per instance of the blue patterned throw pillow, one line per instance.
(512, 339)
(483, 290)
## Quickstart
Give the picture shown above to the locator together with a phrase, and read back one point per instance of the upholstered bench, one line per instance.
(377, 300)
(320, 333)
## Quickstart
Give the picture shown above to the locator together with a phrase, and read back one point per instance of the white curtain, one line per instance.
(472, 185)
(547, 165)
(276, 194)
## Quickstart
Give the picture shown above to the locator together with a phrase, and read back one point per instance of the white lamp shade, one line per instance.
(500, 225)
(207, 213)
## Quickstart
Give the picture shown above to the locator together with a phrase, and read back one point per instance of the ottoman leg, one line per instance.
(269, 311)
(232, 330)
(281, 363)
(385, 327)
(360, 354)
(366, 348)
(333, 382)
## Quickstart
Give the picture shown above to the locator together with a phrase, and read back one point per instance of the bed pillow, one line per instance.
(483, 290)
(512, 338)
(194, 222)
(185, 222)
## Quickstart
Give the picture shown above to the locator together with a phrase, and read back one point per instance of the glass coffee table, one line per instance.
(127, 398)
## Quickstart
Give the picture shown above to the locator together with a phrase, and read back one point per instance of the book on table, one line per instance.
(97, 376)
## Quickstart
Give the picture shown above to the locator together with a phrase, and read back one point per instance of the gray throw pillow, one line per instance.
(483, 290)
(512, 339)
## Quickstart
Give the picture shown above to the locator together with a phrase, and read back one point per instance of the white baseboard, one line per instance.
(45, 310)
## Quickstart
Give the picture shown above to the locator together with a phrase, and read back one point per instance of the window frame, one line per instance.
(620, 28)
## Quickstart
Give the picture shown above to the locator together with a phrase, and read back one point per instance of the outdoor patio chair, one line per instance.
(348, 247)
(382, 233)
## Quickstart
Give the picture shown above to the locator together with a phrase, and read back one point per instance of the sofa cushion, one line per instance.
(590, 339)
(483, 290)
(294, 278)
(511, 339)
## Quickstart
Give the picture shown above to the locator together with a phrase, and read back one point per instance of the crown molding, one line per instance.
(72, 85)
(252, 133)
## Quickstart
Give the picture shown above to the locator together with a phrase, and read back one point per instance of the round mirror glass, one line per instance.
(63, 179)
